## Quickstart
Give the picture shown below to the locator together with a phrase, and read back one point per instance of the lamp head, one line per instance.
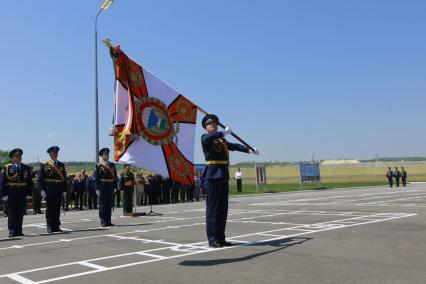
(106, 4)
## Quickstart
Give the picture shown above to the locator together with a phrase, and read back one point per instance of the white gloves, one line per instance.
(28, 197)
(115, 190)
(255, 152)
(43, 194)
(98, 192)
(5, 198)
(64, 194)
(227, 131)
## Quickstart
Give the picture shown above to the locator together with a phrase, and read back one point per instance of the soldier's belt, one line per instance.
(215, 162)
(53, 180)
(15, 184)
(106, 180)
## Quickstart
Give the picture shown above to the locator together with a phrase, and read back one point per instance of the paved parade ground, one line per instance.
(362, 235)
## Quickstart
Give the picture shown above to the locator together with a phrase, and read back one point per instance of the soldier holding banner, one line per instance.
(216, 178)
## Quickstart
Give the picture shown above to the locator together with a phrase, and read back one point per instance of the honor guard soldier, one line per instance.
(403, 176)
(216, 178)
(16, 187)
(106, 186)
(389, 175)
(53, 186)
(127, 184)
(397, 176)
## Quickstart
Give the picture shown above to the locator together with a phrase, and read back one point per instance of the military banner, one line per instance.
(154, 125)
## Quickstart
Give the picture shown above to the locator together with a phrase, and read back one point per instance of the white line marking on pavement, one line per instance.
(20, 279)
(94, 266)
(321, 227)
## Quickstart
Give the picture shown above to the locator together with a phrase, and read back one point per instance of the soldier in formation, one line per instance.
(16, 187)
(52, 183)
(106, 184)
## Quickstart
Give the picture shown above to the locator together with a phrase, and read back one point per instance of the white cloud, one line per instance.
(50, 136)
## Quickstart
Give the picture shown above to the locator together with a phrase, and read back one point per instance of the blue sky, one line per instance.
(341, 79)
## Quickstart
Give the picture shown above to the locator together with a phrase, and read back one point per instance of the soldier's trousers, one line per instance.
(182, 193)
(117, 196)
(397, 182)
(16, 205)
(175, 194)
(390, 180)
(4, 207)
(53, 209)
(167, 195)
(147, 195)
(216, 209)
(239, 185)
(36, 201)
(79, 199)
(105, 202)
(404, 181)
(92, 199)
(128, 200)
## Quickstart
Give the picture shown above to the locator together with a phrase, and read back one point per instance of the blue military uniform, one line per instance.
(216, 181)
(105, 182)
(16, 184)
(52, 181)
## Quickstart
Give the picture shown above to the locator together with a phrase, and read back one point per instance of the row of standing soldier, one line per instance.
(81, 194)
(397, 175)
(52, 184)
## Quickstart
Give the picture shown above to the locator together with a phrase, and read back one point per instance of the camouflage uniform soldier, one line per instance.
(127, 184)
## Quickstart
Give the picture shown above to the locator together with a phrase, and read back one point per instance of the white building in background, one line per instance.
(339, 162)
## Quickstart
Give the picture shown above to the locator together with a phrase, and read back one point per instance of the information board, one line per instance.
(310, 173)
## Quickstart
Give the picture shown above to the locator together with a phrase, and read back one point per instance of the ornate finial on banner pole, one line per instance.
(108, 43)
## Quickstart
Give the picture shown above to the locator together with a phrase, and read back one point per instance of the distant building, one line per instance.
(339, 162)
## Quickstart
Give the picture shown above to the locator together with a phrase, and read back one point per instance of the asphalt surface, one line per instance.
(362, 235)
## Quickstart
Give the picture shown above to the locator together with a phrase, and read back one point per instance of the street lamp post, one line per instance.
(105, 5)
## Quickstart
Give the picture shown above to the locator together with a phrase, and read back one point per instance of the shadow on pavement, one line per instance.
(281, 244)
(66, 232)
(132, 225)
(10, 239)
